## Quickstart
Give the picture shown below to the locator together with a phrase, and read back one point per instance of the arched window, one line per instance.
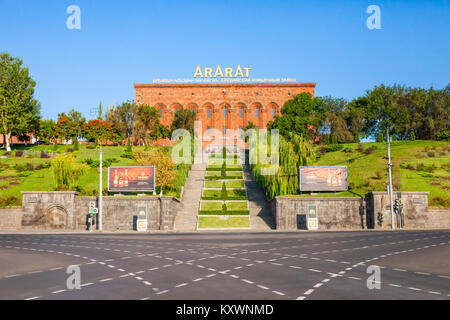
(160, 112)
(224, 113)
(256, 112)
(272, 112)
(208, 113)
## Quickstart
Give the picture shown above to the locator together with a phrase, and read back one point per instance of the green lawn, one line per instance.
(235, 184)
(217, 222)
(368, 172)
(213, 184)
(234, 174)
(213, 174)
(11, 182)
(237, 206)
(211, 205)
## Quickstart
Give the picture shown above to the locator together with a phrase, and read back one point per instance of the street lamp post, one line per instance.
(390, 179)
(100, 198)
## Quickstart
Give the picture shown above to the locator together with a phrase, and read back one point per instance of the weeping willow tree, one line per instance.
(65, 171)
(292, 154)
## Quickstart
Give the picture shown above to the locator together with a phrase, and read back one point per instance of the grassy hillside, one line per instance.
(417, 166)
(14, 179)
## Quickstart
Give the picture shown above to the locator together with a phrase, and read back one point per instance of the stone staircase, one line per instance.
(261, 218)
(186, 219)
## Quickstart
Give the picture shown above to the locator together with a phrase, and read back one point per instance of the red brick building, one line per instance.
(221, 106)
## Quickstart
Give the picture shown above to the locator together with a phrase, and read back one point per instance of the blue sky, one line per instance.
(125, 42)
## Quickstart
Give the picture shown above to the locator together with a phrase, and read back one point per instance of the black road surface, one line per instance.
(304, 265)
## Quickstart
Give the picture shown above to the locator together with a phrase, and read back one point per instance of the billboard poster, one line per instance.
(323, 178)
(131, 179)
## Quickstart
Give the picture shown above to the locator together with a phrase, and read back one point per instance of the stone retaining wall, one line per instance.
(60, 210)
(358, 213)
(333, 212)
(11, 219)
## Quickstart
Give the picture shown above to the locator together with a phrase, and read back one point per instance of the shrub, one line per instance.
(360, 147)
(90, 146)
(348, 150)
(75, 144)
(334, 139)
(412, 136)
(369, 150)
(30, 166)
(443, 136)
(379, 175)
(127, 155)
(19, 153)
(7, 153)
(326, 139)
(431, 154)
(380, 137)
(24, 174)
(333, 147)
(44, 155)
(419, 166)
(65, 171)
(45, 165)
(20, 167)
(9, 201)
(440, 202)
(129, 148)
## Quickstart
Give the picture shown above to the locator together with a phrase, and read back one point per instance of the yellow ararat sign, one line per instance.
(223, 73)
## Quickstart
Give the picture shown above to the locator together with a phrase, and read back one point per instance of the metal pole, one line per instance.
(100, 199)
(390, 179)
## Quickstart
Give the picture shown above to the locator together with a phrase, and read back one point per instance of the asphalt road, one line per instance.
(305, 265)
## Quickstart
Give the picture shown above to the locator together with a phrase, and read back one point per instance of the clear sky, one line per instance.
(125, 42)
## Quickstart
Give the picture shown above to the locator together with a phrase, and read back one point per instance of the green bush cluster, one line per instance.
(9, 201)
(333, 147)
(96, 163)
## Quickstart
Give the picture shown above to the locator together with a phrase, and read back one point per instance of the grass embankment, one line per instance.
(219, 222)
(417, 166)
(16, 176)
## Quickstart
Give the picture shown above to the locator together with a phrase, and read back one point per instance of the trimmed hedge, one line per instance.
(224, 213)
(220, 169)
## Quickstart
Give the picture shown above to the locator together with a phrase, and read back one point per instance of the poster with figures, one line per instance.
(131, 179)
(323, 178)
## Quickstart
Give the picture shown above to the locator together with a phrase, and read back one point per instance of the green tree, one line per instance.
(412, 135)
(46, 130)
(19, 111)
(386, 110)
(65, 171)
(334, 139)
(147, 123)
(123, 117)
(101, 131)
(184, 119)
(380, 137)
(330, 117)
(69, 126)
(301, 115)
